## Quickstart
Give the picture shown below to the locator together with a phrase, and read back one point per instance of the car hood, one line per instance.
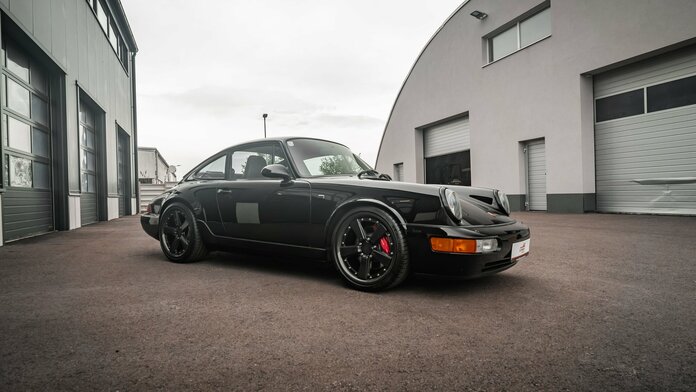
(476, 212)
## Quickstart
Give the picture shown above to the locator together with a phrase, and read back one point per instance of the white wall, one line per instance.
(536, 92)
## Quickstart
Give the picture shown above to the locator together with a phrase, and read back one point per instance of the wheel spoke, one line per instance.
(184, 243)
(175, 245)
(177, 219)
(377, 234)
(168, 230)
(184, 225)
(365, 267)
(358, 229)
(382, 257)
(347, 251)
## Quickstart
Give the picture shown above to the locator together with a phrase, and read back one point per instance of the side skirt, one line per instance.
(262, 247)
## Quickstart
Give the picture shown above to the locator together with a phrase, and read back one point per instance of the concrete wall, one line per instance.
(537, 92)
(69, 33)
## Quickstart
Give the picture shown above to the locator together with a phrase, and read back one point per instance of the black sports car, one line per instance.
(315, 198)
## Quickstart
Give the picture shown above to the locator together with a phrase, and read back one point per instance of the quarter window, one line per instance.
(215, 170)
(525, 32)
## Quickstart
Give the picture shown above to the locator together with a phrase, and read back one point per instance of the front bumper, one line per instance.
(424, 260)
(150, 223)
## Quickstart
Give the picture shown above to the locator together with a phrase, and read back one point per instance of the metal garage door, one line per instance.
(645, 136)
(89, 168)
(27, 204)
(536, 175)
(446, 138)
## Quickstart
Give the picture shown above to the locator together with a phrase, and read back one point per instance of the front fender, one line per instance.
(359, 202)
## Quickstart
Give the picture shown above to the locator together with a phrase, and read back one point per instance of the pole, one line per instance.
(264, 124)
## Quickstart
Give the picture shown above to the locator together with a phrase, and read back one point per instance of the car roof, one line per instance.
(283, 139)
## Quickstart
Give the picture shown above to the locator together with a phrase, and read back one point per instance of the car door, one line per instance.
(257, 208)
(206, 180)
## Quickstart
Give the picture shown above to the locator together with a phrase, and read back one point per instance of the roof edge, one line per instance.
(122, 14)
(408, 76)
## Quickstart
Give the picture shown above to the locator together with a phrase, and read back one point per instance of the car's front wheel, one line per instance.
(369, 249)
(180, 238)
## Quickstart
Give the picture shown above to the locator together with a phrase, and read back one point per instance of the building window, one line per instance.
(524, 33)
(398, 172)
(620, 105)
(108, 25)
(681, 92)
(668, 95)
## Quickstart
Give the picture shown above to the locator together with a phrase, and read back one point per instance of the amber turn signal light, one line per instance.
(452, 245)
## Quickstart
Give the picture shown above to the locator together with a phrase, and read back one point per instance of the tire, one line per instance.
(180, 237)
(369, 250)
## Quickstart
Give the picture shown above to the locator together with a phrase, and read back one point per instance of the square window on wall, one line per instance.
(42, 178)
(19, 134)
(19, 172)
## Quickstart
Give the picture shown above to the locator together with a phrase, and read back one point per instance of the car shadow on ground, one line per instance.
(322, 271)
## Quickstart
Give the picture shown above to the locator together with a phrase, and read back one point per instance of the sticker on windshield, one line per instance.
(290, 143)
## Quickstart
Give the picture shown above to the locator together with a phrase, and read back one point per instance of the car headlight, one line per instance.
(452, 203)
(503, 201)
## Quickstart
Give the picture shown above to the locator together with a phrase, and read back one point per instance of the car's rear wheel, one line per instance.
(369, 250)
(179, 236)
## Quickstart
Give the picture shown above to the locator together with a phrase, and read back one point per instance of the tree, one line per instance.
(337, 164)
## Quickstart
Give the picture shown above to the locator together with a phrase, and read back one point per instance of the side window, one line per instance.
(215, 170)
(248, 162)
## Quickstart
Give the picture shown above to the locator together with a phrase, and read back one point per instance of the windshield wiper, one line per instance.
(374, 175)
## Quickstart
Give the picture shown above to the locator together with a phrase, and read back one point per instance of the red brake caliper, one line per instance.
(384, 244)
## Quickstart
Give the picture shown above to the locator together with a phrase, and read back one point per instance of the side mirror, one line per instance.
(276, 171)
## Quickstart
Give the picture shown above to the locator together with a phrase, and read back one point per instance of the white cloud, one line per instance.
(207, 70)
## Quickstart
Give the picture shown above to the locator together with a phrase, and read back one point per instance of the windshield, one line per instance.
(322, 158)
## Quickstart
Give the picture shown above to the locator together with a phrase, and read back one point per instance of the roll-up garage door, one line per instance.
(446, 138)
(536, 175)
(89, 168)
(645, 136)
(27, 204)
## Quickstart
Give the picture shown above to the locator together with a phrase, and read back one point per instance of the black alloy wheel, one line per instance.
(369, 250)
(180, 239)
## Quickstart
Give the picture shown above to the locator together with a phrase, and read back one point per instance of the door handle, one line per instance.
(224, 191)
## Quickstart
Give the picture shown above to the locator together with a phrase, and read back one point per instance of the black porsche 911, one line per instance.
(315, 198)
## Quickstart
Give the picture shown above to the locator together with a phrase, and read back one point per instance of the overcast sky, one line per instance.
(207, 70)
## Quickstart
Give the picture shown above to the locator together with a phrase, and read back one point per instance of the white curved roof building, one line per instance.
(566, 105)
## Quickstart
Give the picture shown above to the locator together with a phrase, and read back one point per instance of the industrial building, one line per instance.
(153, 168)
(68, 115)
(568, 106)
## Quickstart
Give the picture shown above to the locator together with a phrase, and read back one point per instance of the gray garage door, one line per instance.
(536, 175)
(27, 204)
(645, 136)
(89, 168)
(446, 138)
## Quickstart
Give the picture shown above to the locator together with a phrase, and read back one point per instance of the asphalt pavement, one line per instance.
(604, 302)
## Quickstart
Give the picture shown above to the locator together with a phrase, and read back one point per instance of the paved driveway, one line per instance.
(604, 302)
